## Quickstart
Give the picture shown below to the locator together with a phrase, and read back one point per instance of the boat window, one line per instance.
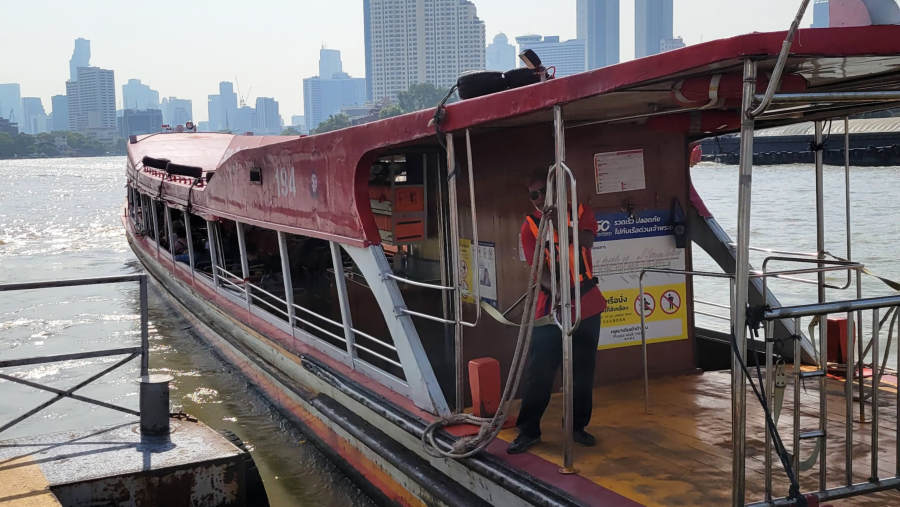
(162, 233)
(148, 217)
(228, 255)
(179, 248)
(200, 239)
(265, 281)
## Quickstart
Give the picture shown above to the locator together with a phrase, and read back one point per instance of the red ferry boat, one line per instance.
(340, 272)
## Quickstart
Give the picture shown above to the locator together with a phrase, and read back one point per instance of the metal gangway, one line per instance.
(772, 105)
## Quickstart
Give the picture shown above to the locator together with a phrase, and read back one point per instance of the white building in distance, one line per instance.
(92, 102)
(567, 56)
(500, 55)
(419, 41)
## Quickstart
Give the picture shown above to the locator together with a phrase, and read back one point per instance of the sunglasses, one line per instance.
(534, 194)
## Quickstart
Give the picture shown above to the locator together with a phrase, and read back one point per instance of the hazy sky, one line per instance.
(184, 49)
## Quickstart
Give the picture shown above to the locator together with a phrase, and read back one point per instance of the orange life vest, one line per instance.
(583, 274)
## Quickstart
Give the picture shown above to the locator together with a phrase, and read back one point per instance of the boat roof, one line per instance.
(830, 59)
(674, 88)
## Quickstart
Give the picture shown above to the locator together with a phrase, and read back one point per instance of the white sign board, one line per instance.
(619, 171)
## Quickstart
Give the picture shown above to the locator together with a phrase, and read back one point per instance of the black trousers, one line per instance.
(544, 359)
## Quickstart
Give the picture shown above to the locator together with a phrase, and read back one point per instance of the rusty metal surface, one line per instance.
(117, 463)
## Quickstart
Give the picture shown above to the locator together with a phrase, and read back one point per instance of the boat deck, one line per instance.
(680, 453)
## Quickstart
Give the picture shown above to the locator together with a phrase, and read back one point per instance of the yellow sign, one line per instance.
(665, 318)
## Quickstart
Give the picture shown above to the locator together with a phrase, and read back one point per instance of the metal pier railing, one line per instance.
(130, 353)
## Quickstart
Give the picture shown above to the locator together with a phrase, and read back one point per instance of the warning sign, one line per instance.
(670, 301)
(649, 305)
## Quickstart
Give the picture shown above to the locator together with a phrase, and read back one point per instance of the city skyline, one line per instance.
(191, 60)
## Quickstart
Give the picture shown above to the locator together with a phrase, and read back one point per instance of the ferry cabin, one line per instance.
(356, 257)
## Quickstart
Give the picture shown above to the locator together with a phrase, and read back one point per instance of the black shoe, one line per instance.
(522, 443)
(584, 438)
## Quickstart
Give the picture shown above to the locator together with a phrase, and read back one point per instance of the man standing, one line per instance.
(545, 353)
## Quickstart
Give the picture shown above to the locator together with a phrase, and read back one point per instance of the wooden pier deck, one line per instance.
(680, 453)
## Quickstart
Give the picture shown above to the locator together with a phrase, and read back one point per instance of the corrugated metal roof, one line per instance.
(857, 126)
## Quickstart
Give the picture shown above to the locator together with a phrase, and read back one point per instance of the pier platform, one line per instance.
(116, 465)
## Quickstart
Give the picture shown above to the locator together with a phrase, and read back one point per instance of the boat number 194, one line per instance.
(285, 179)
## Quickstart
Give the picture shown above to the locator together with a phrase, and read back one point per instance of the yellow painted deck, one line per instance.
(680, 454)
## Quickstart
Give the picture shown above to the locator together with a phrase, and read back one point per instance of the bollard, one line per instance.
(155, 404)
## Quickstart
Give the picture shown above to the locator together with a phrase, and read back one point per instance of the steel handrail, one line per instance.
(815, 309)
(376, 354)
(374, 339)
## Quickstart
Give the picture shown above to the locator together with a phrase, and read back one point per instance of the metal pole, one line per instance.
(644, 344)
(859, 348)
(155, 225)
(847, 182)
(848, 395)
(189, 237)
(211, 234)
(565, 284)
(457, 294)
(742, 284)
(476, 280)
(145, 318)
(819, 155)
(796, 449)
(170, 231)
(245, 265)
(876, 381)
(288, 283)
(346, 318)
(770, 400)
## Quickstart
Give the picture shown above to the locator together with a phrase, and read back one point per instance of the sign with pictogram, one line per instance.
(649, 305)
(670, 301)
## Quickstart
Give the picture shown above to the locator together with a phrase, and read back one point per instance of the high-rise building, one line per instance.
(138, 96)
(245, 121)
(81, 57)
(566, 56)
(652, 25)
(34, 118)
(11, 102)
(417, 41)
(268, 119)
(329, 63)
(176, 111)
(222, 108)
(60, 113)
(598, 26)
(500, 55)
(92, 102)
(670, 44)
(325, 96)
(146, 121)
(820, 14)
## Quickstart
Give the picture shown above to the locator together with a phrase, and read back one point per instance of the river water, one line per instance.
(60, 218)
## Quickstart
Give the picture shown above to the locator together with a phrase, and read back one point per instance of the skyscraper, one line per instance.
(176, 111)
(598, 26)
(11, 103)
(268, 119)
(222, 108)
(566, 56)
(81, 57)
(418, 41)
(60, 113)
(820, 14)
(138, 96)
(92, 102)
(34, 118)
(652, 25)
(329, 63)
(500, 55)
(324, 96)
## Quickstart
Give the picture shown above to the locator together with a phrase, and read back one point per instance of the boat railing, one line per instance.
(853, 310)
(141, 350)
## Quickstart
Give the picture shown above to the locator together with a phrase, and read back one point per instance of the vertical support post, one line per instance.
(565, 282)
(211, 233)
(189, 238)
(170, 230)
(770, 400)
(796, 449)
(145, 320)
(454, 271)
(876, 381)
(859, 349)
(742, 285)
(155, 224)
(848, 400)
(288, 283)
(847, 183)
(819, 154)
(346, 318)
(245, 266)
(644, 346)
